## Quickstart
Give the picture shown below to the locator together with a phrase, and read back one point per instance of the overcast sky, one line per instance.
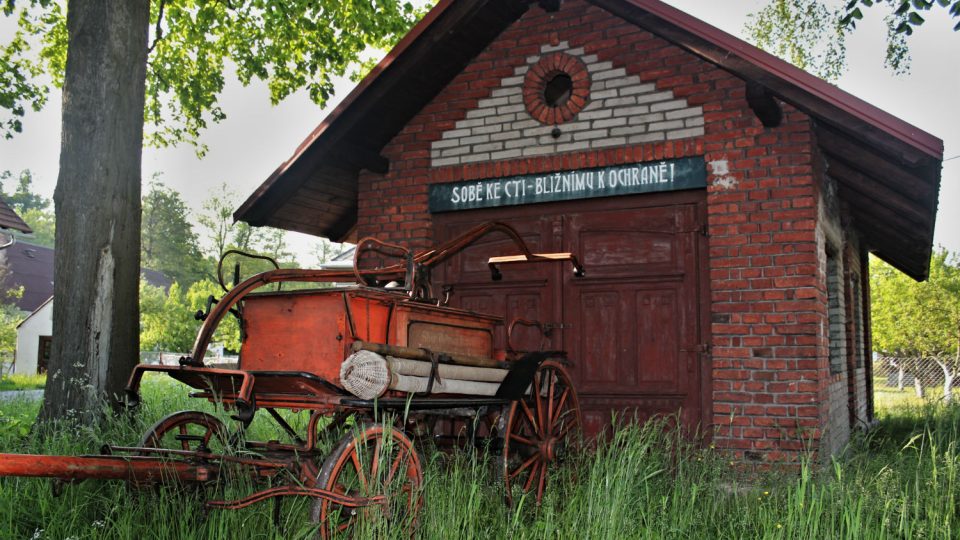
(256, 137)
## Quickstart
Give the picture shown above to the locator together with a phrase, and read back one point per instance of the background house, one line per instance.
(31, 267)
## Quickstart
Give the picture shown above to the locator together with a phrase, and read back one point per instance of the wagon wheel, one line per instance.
(187, 430)
(539, 429)
(374, 460)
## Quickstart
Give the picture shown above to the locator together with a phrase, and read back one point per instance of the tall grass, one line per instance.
(899, 481)
(16, 381)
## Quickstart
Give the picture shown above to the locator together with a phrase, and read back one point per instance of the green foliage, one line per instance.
(10, 316)
(22, 198)
(906, 13)
(289, 44)
(33, 208)
(44, 226)
(168, 243)
(803, 32)
(811, 34)
(916, 319)
(19, 89)
(16, 381)
(223, 234)
(216, 220)
(325, 251)
(167, 321)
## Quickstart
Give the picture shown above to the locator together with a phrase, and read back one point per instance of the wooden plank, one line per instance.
(878, 166)
(882, 218)
(865, 187)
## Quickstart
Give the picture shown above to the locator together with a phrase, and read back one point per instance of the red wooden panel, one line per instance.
(632, 326)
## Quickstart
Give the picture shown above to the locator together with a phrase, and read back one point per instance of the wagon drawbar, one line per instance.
(385, 343)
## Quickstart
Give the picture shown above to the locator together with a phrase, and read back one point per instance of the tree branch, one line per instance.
(159, 29)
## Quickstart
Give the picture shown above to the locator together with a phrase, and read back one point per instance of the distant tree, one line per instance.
(811, 34)
(918, 324)
(22, 198)
(274, 245)
(44, 226)
(223, 234)
(247, 237)
(10, 317)
(35, 209)
(228, 332)
(168, 322)
(325, 251)
(216, 220)
(168, 243)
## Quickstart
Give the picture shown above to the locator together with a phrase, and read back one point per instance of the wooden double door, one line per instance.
(633, 326)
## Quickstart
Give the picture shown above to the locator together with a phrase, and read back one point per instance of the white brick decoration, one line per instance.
(622, 110)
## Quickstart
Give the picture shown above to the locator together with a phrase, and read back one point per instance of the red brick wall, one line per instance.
(767, 293)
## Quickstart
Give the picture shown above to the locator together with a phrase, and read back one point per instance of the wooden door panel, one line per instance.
(601, 314)
(631, 326)
(628, 243)
(635, 332)
(658, 320)
(625, 338)
(628, 249)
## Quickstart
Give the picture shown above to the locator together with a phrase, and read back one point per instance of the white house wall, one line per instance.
(28, 339)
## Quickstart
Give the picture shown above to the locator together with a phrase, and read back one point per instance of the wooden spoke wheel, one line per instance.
(540, 429)
(187, 430)
(373, 459)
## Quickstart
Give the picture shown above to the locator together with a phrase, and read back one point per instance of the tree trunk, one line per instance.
(948, 375)
(95, 310)
(917, 385)
(900, 372)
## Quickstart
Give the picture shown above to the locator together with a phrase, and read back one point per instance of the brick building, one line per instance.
(722, 201)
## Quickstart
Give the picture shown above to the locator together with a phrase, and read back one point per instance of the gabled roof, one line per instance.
(10, 220)
(35, 311)
(888, 171)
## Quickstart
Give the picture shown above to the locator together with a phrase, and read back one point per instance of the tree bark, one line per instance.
(948, 375)
(96, 273)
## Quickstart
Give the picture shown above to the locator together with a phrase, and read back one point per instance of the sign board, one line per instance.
(650, 177)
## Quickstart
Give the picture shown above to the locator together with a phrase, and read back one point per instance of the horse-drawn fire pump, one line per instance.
(385, 346)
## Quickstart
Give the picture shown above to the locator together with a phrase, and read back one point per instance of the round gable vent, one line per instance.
(556, 88)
